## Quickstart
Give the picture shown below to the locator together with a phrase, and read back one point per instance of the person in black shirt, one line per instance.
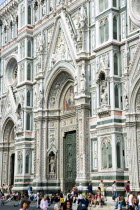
(83, 204)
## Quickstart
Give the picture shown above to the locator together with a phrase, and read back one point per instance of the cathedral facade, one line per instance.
(69, 93)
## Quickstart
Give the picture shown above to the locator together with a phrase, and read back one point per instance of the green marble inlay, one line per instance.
(110, 177)
(25, 139)
(108, 121)
(23, 180)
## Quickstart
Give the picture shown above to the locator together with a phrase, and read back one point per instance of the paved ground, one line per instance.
(10, 206)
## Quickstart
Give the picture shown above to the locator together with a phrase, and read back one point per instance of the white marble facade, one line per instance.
(69, 66)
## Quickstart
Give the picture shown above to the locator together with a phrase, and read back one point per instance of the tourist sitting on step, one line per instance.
(119, 200)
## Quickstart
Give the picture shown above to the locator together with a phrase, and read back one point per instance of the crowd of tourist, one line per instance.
(77, 196)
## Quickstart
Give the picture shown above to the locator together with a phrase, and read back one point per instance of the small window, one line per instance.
(29, 71)
(29, 48)
(102, 32)
(106, 4)
(115, 28)
(118, 155)
(28, 122)
(101, 5)
(114, 3)
(115, 64)
(116, 96)
(29, 14)
(106, 32)
(104, 158)
(28, 98)
(109, 156)
(27, 164)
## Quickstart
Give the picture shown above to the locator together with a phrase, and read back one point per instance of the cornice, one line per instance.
(8, 5)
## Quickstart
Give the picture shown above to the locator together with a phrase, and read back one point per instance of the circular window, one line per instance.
(11, 72)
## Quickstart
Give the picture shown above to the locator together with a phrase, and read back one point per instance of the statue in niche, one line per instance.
(104, 95)
(75, 85)
(18, 126)
(80, 22)
(126, 101)
(103, 89)
(83, 17)
(52, 163)
(41, 42)
(40, 99)
(83, 82)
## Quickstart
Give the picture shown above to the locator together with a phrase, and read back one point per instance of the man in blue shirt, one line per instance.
(89, 188)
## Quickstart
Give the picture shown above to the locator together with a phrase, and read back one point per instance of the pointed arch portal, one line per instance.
(8, 157)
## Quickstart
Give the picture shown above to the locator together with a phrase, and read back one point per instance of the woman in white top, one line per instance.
(44, 203)
(131, 201)
(114, 191)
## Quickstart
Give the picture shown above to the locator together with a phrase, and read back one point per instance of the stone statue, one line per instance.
(52, 164)
(83, 83)
(83, 17)
(126, 101)
(41, 42)
(18, 126)
(75, 85)
(40, 99)
(103, 94)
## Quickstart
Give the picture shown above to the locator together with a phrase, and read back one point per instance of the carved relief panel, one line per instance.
(56, 89)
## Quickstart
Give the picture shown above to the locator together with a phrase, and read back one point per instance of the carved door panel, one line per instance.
(70, 160)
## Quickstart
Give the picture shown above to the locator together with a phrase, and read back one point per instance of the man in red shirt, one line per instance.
(127, 188)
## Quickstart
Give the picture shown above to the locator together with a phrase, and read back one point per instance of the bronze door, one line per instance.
(70, 160)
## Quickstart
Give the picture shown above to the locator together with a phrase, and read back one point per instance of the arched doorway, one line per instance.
(12, 166)
(62, 130)
(8, 161)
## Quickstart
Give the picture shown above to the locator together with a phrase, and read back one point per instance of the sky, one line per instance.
(1, 1)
